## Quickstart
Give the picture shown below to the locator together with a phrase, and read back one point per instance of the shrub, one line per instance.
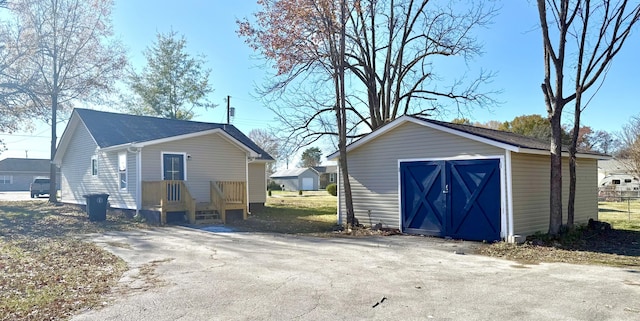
(269, 192)
(299, 192)
(332, 189)
(273, 186)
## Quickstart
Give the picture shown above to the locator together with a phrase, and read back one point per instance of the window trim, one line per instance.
(125, 172)
(94, 166)
(4, 179)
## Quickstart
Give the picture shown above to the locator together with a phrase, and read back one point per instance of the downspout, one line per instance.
(138, 152)
(246, 175)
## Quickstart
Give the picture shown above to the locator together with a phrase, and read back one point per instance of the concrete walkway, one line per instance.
(184, 274)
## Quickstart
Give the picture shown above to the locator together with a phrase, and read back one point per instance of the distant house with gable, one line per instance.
(296, 179)
(16, 174)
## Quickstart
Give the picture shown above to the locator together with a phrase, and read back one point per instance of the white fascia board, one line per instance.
(222, 133)
(403, 119)
(564, 154)
(262, 161)
(395, 123)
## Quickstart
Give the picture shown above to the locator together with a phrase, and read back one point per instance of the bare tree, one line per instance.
(383, 49)
(630, 150)
(72, 56)
(592, 34)
(270, 143)
(390, 52)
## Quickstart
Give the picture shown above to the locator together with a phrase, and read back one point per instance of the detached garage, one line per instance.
(450, 180)
(297, 179)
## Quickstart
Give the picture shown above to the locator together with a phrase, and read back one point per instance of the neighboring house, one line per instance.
(161, 167)
(305, 179)
(615, 176)
(450, 180)
(16, 174)
(608, 167)
(328, 175)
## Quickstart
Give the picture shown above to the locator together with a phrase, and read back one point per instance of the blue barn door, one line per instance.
(422, 201)
(474, 199)
(459, 199)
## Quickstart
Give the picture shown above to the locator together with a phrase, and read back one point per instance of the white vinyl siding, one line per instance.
(213, 158)
(257, 183)
(76, 172)
(373, 167)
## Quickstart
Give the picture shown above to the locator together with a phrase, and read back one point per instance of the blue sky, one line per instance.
(512, 49)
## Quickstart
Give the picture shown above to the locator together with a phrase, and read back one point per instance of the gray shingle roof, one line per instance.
(503, 136)
(293, 172)
(113, 129)
(24, 165)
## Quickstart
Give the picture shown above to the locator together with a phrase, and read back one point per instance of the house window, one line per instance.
(6, 179)
(627, 180)
(94, 166)
(122, 170)
(615, 182)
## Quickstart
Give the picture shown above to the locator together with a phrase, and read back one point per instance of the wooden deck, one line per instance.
(174, 196)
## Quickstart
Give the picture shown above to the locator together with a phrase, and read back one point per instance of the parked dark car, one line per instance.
(40, 186)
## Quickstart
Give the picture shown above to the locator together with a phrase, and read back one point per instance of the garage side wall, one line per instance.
(290, 183)
(373, 168)
(531, 175)
(257, 184)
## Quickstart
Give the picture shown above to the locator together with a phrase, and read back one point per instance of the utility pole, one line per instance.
(228, 109)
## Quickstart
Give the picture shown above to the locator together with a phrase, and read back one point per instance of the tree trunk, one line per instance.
(342, 121)
(53, 190)
(573, 149)
(555, 204)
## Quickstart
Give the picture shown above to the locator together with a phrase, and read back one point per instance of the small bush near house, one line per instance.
(273, 186)
(269, 193)
(332, 189)
(299, 192)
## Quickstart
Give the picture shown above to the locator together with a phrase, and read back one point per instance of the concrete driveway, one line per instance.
(20, 196)
(183, 274)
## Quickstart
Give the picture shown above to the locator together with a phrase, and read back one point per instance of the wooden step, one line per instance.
(208, 216)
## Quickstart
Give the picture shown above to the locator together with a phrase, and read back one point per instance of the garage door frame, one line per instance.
(503, 185)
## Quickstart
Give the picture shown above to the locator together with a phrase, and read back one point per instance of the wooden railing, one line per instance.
(234, 192)
(174, 196)
(170, 195)
(218, 199)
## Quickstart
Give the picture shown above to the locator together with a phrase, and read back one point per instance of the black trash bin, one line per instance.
(97, 206)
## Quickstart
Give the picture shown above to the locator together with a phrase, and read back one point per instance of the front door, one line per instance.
(173, 166)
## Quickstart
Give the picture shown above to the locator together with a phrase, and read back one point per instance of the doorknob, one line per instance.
(446, 189)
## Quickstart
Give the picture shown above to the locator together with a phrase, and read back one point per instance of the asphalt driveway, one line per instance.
(183, 274)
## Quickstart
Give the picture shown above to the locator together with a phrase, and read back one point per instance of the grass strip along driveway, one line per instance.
(46, 271)
(619, 246)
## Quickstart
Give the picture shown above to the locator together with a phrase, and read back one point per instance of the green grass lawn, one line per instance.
(290, 213)
(617, 247)
(621, 215)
